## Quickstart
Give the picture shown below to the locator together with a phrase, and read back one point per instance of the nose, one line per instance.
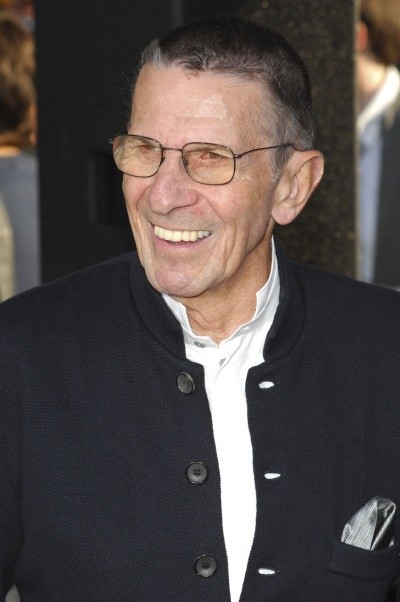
(171, 187)
(176, 156)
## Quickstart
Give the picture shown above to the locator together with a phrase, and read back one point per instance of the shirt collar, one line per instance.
(267, 299)
(381, 100)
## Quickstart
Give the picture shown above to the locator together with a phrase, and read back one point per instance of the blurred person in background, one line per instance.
(6, 255)
(24, 9)
(18, 162)
(378, 87)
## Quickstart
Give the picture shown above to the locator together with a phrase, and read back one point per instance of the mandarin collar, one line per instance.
(166, 329)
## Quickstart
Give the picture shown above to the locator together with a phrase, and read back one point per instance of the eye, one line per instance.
(207, 156)
(210, 156)
(148, 150)
(142, 150)
(143, 147)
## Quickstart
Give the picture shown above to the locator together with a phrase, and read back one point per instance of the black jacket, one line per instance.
(101, 414)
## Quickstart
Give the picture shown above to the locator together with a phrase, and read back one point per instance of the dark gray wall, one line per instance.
(86, 53)
(323, 33)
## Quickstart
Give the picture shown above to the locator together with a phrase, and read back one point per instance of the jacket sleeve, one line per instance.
(10, 517)
(10, 533)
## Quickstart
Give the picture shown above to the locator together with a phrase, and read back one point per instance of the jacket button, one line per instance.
(205, 566)
(185, 383)
(197, 473)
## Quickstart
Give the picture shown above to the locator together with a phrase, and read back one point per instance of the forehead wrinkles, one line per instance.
(211, 105)
(227, 102)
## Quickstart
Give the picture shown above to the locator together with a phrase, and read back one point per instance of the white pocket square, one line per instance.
(372, 527)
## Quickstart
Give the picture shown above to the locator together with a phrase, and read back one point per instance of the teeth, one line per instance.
(180, 235)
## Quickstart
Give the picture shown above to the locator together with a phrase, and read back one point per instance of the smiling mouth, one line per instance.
(180, 235)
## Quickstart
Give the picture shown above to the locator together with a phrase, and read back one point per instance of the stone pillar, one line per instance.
(322, 31)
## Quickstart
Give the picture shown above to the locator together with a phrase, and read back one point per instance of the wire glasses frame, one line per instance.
(204, 162)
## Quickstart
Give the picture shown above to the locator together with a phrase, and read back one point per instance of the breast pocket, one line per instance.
(363, 564)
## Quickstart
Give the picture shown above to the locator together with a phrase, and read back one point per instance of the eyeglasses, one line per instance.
(204, 162)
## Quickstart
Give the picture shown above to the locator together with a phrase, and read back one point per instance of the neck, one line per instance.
(218, 313)
(370, 77)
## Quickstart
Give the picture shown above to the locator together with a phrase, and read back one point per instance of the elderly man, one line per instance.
(204, 420)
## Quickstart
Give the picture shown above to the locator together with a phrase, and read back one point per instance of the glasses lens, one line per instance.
(209, 163)
(137, 156)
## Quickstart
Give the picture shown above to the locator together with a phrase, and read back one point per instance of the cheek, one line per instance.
(252, 219)
(129, 191)
(246, 209)
(133, 191)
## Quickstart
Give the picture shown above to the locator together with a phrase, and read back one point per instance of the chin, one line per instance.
(175, 285)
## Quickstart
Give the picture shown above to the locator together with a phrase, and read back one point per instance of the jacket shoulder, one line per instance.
(82, 292)
(349, 304)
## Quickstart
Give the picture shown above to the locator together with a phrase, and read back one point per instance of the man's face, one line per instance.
(229, 225)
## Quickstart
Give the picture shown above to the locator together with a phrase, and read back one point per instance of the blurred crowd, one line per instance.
(19, 207)
(378, 87)
(24, 9)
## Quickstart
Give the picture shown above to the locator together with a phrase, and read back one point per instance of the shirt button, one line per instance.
(205, 566)
(185, 383)
(199, 344)
(197, 473)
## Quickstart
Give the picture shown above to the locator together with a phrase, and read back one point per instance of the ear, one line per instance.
(300, 177)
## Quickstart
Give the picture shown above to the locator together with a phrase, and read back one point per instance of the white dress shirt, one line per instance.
(226, 366)
(369, 125)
